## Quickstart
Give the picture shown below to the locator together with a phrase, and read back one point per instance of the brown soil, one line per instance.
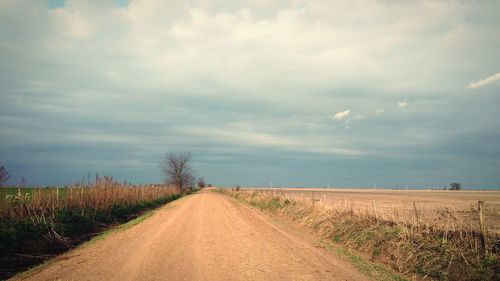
(206, 236)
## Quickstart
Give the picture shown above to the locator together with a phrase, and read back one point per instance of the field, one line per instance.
(421, 234)
(429, 206)
(273, 234)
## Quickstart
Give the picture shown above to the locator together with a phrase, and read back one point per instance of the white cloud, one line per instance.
(403, 103)
(484, 82)
(209, 62)
(242, 134)
(340, 115)
(248, 134)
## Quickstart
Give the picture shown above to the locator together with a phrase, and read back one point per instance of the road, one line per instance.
(205, 236)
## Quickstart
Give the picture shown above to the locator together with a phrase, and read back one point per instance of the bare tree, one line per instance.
(177, 170)
(201, 183)
(4, 175)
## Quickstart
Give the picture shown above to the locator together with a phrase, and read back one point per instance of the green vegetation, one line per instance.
(379, 272)
(98, 237)
(5, 191)
(37, 224)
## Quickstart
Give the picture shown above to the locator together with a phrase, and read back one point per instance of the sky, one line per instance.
(300, 93)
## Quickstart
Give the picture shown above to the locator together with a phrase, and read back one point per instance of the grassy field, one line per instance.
(418, 240)
(14, 191)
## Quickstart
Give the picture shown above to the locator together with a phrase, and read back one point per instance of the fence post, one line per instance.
(375, 210)
(312, 198)
(480, 209)
(416, 213)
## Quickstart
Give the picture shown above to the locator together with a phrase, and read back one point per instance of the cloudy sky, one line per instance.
(300, 93)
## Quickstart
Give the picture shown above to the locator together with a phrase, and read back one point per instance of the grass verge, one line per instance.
(96, 238)
(418, 253)
(376, 271)
(26, 245)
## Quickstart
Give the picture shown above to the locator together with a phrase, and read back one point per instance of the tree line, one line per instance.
(176, 168)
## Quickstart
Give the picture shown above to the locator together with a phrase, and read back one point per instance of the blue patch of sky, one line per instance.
(122, 3)
(54, 4)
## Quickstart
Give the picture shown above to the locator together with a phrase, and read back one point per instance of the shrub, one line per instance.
(455, 186)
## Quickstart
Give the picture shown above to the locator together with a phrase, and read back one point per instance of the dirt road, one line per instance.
(205, 236)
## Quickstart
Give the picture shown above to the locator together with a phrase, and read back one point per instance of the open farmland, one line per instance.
(429, 238)
(210, 236)
(443, 207)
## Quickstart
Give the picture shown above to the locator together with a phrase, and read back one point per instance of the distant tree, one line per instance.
(455, 186)
(177, 170)
(201, 183)
(209, 185)
(4, 175)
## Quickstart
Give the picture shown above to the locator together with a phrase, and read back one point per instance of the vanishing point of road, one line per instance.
(204, 236)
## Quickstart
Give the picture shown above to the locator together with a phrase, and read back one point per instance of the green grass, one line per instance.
(376, 271)
(13, 191)
(99, 237)
(123, 226)
(22, 236)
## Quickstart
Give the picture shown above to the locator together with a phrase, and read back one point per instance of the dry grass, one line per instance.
(449, 248)
(449, 209)
(38, 223)
(41, 203)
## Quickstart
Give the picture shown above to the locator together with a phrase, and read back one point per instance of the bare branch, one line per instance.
(177, 170)
(4, 175)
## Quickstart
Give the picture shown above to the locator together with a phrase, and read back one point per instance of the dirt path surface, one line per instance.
(206, 236)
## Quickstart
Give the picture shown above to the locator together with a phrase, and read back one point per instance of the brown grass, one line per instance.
(448, 209)
(38, 223)
(449, 248)
(39, 204)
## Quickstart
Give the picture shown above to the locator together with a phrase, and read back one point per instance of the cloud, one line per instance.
(484, 82)
(403, 103)
(248, 135)
(340, 115)
(152, 67)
